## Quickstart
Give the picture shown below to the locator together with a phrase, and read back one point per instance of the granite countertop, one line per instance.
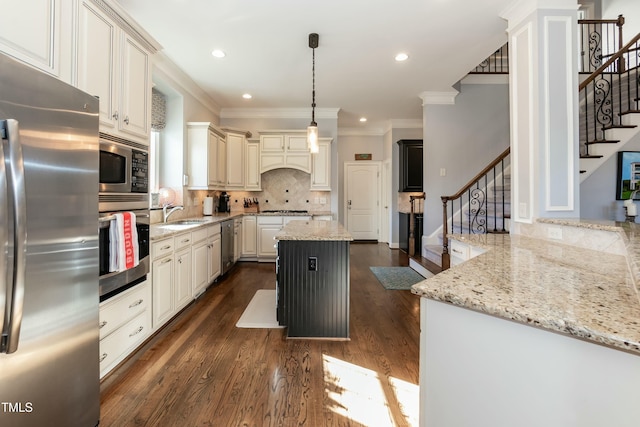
(581, 292)
(314, 230)
(163, 230)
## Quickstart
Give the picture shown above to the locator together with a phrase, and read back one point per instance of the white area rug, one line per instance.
(261, 311)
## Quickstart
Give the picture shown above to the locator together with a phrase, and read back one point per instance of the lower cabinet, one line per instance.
(249, 249)
(183, 269)
(125, 322)
(162, 273)
(461, 251)
(268, 227)
(215, 252)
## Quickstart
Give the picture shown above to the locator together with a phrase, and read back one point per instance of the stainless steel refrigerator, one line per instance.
(49, 349)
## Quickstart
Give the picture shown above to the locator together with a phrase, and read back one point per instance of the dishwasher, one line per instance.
(227, 237)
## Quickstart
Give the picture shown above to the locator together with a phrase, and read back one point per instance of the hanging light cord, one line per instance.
(313, 90)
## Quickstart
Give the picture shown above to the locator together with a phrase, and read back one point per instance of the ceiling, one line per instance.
(268, 56)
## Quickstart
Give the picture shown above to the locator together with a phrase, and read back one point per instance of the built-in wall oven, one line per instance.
(112, 283)
(124, 186)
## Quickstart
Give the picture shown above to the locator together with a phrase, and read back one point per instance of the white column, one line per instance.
(544, 110)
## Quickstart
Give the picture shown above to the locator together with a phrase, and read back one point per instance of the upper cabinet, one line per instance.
(206, 155)
(39, 33)
(410, 165)
(282, 150)
(235, 160)
(30, 32)
(116, 68)
(321, 166)
(252, 178)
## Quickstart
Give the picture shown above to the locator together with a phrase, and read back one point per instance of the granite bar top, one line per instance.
(314, 230)
(580, 292)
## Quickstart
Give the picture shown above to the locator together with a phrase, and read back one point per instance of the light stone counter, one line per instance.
(585, 293)
(314, 230)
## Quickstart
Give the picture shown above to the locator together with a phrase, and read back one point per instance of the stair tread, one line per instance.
(619, 127)
(630, 111)
(603, 141)
(590, 156)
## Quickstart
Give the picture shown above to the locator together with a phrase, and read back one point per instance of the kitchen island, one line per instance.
(535, 331)
(312, 277)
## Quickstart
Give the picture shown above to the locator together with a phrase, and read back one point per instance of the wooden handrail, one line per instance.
(610, 61)
(484, 171)
(619, 21)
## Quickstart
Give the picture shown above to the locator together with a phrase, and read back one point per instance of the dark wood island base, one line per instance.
(312, 273)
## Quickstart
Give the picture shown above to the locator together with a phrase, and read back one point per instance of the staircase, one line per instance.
(609, 114)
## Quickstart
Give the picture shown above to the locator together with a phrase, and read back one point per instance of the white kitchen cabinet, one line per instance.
(237, 239)
(206, 156)
(125, 322)
(200, 255)
(135, 90)
(252, 179)
(162, 273)
(321, 166)
(249, 236)
(215, 252)
(284, 150)
(235, 167)
(462, 251)
(268, 227)
(31, 32)
(113, 66)
(183, 270)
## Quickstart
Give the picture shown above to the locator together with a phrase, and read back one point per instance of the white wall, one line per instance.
(462, 138)
(630, 9)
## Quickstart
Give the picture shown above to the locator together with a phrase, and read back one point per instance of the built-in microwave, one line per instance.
(124, 174)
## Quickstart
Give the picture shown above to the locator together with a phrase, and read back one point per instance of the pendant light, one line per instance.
(312, 130)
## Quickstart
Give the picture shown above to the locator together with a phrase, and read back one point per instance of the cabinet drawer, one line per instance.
(214, 229)
(182, 240)
(269, 220)
(123, 308)
(123, 339)
(287, 219)
(162, 248)
(459, 250)
(199, 234)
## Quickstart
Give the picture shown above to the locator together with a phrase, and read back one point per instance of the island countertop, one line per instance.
(581, 292)
(314, 230)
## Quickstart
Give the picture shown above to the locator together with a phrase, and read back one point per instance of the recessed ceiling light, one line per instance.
(402, 57)
(218, 53)
(363, 119)
(247, 96)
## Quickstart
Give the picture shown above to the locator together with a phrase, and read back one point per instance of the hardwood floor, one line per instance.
(201, 370)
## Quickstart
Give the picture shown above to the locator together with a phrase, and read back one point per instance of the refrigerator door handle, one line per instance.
(4, 241)
(15, 178)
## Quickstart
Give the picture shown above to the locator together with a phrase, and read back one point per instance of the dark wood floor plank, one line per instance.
(201, 370)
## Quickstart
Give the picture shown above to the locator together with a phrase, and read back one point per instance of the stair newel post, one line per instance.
(619, 24)
(446, 261)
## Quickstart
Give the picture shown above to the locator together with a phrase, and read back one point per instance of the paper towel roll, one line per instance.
(207, 206)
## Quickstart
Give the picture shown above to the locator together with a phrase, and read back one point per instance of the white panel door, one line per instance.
(362, 202)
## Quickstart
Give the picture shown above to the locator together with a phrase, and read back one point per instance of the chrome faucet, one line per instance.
(166, 214)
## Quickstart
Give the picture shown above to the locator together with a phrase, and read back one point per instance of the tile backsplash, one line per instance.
(281, 189)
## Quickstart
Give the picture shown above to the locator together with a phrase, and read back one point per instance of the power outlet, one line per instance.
(554, 233)
(312, 263)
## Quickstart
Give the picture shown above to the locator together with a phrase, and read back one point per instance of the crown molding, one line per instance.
(517, 11)
(278, 113)
(439, 97)
(169, 69)
(130, 26)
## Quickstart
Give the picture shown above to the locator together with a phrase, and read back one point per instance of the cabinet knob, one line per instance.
(103, 356)
(103, 324)
(126, 119)
(137, 331)
(115, 115)
(135, 303)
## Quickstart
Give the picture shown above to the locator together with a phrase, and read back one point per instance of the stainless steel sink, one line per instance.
(188, 222)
